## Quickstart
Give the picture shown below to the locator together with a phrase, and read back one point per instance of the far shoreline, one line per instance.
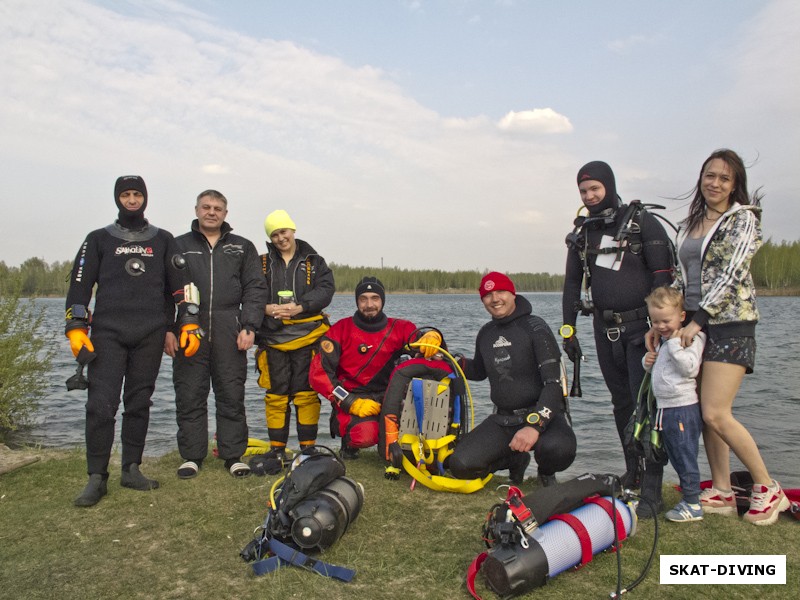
(788, 292)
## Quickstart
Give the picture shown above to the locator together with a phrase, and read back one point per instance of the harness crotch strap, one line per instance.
(285, 555)
(441, 483)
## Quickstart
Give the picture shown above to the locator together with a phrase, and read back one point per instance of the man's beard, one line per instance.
(373, 319)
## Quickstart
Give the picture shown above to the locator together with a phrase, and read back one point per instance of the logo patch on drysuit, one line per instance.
(326, 346)
(140, 250)
(233, 249)
(501, 342)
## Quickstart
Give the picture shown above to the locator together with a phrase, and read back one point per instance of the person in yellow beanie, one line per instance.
(300, 287)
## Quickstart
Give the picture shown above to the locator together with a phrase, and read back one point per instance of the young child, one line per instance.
(673, 370)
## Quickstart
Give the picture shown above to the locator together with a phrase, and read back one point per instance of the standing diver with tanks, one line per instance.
(139, 283)
(615, 256)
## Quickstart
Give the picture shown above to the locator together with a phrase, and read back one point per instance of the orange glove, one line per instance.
(78, 338)
(364, 407)
(430, 343)
(190, 339)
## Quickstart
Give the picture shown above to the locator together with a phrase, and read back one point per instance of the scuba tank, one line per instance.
(535, 537)
(309, 510)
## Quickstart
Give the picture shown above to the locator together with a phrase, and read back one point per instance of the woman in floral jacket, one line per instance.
(715, 245)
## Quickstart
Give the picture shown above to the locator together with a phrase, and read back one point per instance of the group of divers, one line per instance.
(677, 317)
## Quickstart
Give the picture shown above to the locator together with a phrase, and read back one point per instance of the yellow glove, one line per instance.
(78, 338)
(430, 343)
(364, 407)
(190, 339)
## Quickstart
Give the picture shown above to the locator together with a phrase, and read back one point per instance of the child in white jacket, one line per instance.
(674, 370)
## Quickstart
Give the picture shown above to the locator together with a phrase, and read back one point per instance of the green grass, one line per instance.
(183, 541)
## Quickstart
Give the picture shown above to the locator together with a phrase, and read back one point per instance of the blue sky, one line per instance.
(413, 134)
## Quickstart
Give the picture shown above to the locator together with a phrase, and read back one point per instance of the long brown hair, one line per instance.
(739, 194)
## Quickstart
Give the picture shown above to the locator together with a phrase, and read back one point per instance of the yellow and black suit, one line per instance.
(286, 346)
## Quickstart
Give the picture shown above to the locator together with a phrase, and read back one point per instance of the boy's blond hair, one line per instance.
(665, 296)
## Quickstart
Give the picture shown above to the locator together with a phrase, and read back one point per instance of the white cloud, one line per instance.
(365, 170)
(538, 120)
(216, 169)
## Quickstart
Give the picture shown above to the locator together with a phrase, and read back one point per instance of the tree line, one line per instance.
(775, 267)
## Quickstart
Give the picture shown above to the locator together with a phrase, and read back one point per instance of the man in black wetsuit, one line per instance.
(616, 255)
(519, 354)
(139, 283)
(233, 294)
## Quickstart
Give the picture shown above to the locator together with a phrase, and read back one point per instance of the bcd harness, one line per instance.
(627, 238)
(429, 429)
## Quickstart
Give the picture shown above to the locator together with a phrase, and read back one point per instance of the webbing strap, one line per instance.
(285, 555)
(605, 504)
(580, 530)
(439, 483)
(472, 572)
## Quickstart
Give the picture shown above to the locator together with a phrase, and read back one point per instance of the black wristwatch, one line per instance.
(193, 310)
(533, 418)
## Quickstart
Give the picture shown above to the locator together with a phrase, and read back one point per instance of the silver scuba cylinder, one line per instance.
(564, 542)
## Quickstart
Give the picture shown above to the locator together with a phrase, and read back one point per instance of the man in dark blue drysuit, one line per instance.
(139, 284)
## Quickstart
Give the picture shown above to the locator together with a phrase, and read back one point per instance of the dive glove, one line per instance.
(190, 338)
(78, 338)
(365, 407)
(429, 343)
(572, 348)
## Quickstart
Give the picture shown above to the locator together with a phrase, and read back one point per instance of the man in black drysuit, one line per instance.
(519, 354)
(233, 294)
(138, 286)
(619, 274)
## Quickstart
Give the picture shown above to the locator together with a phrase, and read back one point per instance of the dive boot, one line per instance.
(517, 465)
(94, 490)
(348, 453)
(132, 478)
(546, 480)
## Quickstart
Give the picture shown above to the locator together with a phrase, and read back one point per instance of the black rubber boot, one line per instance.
(651, 490)
(517, 465)
(546, 480)
(94, 490)
(132, 478)
(348, 453)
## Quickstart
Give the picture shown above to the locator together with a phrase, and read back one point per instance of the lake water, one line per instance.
(768, 403)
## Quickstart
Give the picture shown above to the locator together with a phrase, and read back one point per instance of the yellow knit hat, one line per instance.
(278, 219)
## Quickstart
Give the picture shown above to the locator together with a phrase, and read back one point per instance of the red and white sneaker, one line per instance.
(717, 502)
(766, 503)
